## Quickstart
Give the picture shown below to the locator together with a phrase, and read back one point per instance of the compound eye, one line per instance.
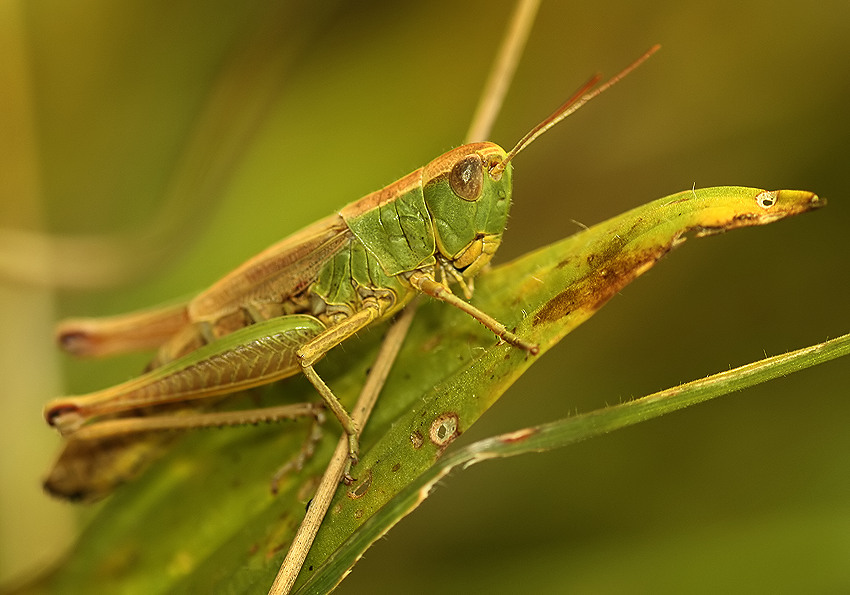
(467, 177)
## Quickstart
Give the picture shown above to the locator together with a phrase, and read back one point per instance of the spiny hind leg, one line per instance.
(124, 426)
(308, 449)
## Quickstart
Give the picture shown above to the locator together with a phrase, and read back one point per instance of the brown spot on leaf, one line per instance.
(556, 308)
(444, 429)
(430, 344)
(518, 436)
(362, 486)
(609, 272)
(416, 439)
(564, 262)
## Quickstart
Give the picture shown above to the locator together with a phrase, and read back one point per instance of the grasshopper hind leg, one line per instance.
(308, 449)
(112, 335)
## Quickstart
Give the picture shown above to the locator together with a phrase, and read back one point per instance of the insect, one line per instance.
(281, 311)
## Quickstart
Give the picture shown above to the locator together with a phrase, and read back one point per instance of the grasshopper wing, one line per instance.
(275, 274)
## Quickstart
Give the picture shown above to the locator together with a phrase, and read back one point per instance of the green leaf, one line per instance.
(203, 519)
(563, 433)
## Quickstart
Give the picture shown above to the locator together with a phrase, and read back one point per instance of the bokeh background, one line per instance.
(149, 147)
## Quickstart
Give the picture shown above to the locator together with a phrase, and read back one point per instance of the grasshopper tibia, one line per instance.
(429, 286)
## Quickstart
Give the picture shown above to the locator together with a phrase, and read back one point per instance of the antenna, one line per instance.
(584, 94)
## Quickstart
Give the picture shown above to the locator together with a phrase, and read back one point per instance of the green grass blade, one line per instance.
(562, 433)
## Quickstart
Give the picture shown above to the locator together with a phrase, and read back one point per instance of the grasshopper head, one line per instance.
(468, 190)
(468, 200)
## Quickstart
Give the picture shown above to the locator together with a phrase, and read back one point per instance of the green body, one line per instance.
(409, 232)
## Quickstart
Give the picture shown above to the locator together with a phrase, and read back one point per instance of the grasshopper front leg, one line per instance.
(427, 285)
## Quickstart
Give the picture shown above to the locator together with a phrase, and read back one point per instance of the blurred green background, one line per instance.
(169, 141)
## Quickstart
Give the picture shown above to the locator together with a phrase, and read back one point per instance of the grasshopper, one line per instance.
(281, 311)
